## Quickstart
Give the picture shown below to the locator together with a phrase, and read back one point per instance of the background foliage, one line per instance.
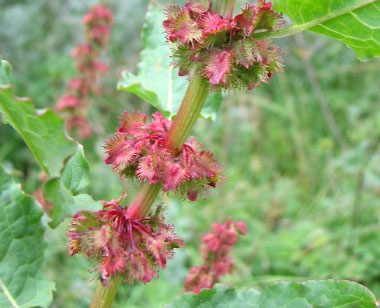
(301, 156)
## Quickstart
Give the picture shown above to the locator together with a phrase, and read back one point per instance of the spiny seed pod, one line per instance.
(140, 150)
(224, 50)
(116, 244)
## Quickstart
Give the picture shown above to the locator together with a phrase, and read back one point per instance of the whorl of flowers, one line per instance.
(223, 49)
(98, 21)
(135, 249)
(139, 149)
(215, 249)
(73, 103)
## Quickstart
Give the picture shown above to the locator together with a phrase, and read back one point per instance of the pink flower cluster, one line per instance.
(98, 22)
(118, 245)
(139, 149)
(222, 49)
(215, 249)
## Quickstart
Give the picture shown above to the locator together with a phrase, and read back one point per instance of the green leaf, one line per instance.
(220, 296)
(61, 157)
(309, 294)
(5, 72)
(21, 249)
(355, 22)
(42, 131)
(157, 82)
(64, 192)
(317, 293)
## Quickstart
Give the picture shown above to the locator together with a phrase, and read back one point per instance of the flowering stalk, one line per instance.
(187, 115)
(217, 52)
(184, 121)
(73, 104)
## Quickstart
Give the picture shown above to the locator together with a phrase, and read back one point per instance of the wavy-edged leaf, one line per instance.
(157, 82)
(65, 191)
(21, 249)
(219, 296)
(354, 22)
(43, 131)
(61, 157)
(308, 294)
(317, 293)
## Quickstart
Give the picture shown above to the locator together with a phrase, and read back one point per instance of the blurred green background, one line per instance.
(301, 156)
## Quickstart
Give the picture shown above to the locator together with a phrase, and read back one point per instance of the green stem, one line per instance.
(188, 113)
(104, 296)
(144, 200)
(225, 7)
(184, 121)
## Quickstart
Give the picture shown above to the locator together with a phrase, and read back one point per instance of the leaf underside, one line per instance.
(354, 22)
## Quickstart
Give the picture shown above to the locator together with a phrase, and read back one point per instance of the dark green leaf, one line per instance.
(21, 249)
(221, 296)
(157, 82)
(318, 293)
(309, 294)
(354, 22)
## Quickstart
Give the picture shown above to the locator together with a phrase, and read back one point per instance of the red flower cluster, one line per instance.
(97, 21)
(134, 248)
(214, 250)
(140, 150)
(224, 50)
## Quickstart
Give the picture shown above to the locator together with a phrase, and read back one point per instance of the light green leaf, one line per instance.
(5, 72)
(309, 294)
(355, 22)
(61, 157)
(157, 82)
(21, 249)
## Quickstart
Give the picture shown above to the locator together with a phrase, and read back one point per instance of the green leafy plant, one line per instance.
(131, 242)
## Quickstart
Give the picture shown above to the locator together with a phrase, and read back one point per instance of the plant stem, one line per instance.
(188, 113)
(184, 121)
(144, 200)
(104, 296)
(225, 7)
